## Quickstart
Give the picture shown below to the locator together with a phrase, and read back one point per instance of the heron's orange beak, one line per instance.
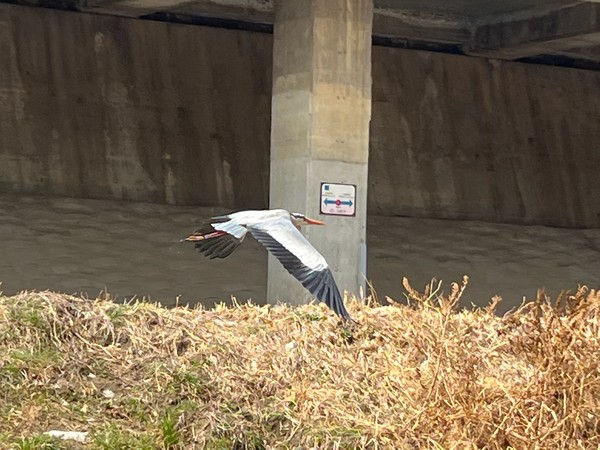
(309, 221)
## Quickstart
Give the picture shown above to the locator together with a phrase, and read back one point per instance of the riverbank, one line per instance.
(421, 376)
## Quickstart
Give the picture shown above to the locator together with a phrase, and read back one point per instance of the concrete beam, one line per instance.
(246, 11)
(420, 27)
(321, 109)
(243, 10)
(574, 26)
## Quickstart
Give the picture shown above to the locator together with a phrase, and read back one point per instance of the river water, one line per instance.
(133, 249)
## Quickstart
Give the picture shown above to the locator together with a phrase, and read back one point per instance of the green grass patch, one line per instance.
(37, 442)
(112, 437)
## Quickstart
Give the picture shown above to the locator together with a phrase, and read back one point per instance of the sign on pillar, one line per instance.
(338, 199)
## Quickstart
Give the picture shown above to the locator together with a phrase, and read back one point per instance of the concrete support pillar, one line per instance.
(321, 108)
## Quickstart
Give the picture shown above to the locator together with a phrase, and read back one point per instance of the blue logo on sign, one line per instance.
(326, 187)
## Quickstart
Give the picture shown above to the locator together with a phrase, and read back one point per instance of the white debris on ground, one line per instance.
(133, 249)
(107, 393)
(78, 436)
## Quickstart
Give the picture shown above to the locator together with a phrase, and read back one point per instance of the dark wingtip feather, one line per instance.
(328, 292)
(336, 302)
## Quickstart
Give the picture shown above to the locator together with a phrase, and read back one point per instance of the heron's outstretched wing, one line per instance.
(299, 257)
(218, 237)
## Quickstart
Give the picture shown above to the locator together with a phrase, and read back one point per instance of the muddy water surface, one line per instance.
(133, 249)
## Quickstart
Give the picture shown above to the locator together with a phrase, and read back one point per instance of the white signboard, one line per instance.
(338, 199)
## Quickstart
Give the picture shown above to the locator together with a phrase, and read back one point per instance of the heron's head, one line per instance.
(300, 219)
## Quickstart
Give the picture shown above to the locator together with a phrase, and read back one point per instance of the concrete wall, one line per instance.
(459, 137)
(104, 107)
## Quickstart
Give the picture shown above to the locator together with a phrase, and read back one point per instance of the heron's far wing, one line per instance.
(301, 260)
(218, 237)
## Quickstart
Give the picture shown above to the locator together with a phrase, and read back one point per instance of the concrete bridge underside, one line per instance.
(565, 32)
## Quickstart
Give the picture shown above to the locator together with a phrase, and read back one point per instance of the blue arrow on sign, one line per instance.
(338, 202)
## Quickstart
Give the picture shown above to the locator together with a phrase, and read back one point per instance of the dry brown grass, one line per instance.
(417, 376)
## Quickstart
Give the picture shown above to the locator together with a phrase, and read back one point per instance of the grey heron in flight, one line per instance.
(279, 232)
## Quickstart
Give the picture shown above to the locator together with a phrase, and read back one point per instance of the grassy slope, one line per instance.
(141, 377)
